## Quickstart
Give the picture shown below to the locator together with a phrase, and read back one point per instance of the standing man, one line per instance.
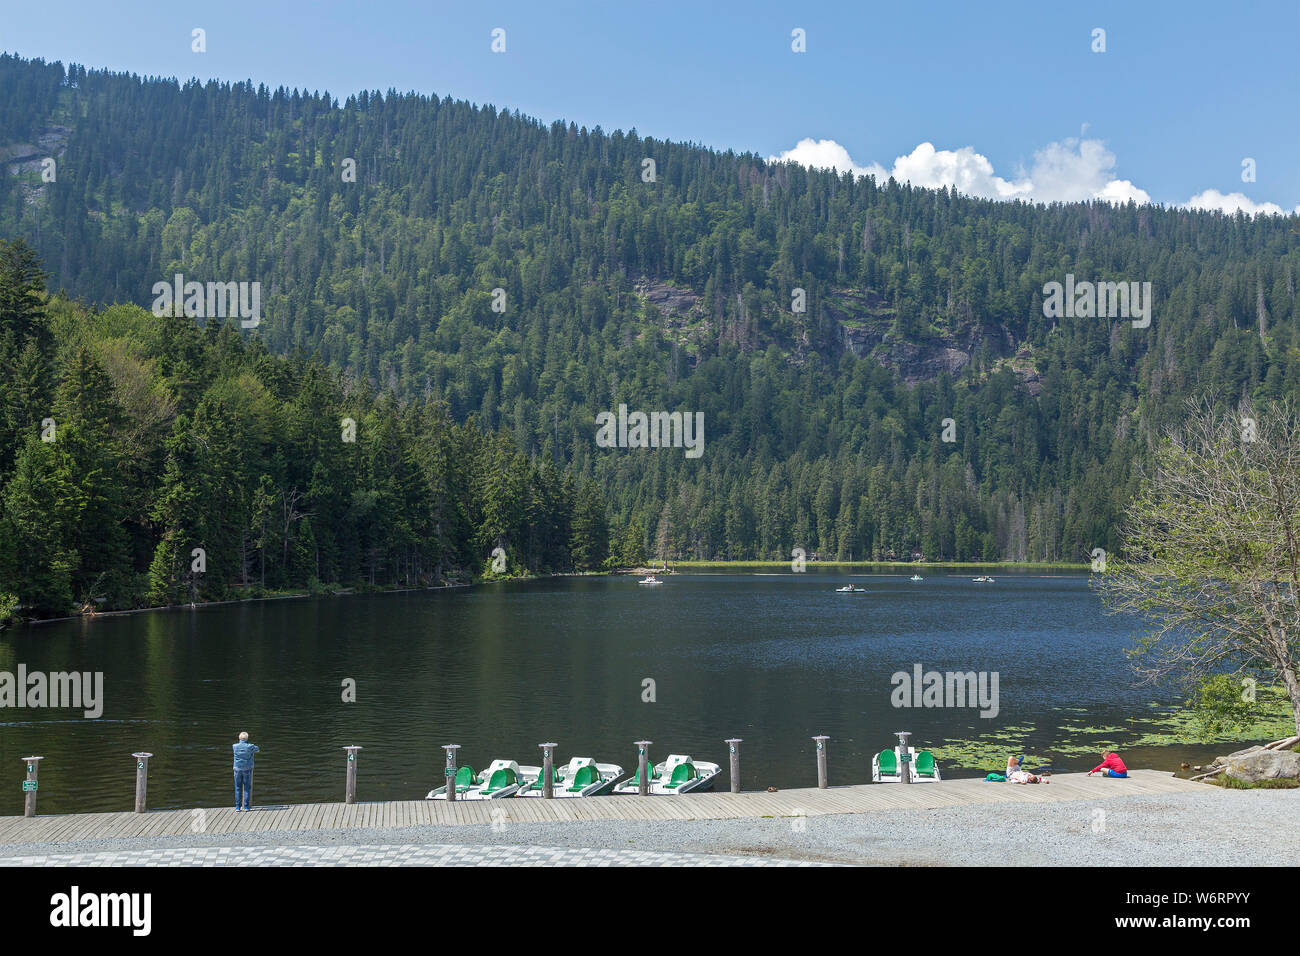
(244, 771)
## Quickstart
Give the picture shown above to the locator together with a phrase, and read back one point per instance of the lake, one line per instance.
(500, 668)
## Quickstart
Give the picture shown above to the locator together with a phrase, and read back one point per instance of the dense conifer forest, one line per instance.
(473, 287)
(150, 461)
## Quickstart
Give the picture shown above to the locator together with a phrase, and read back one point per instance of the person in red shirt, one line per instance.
(1111, 764)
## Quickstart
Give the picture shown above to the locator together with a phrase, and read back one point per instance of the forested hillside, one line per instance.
(147, 461)
(670, 292)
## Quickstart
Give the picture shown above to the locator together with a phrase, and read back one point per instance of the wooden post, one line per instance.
(643, 767)
(350, 788)
(821, 761)
(548, 764)
(450, 772)
(733, 747)
(141, 779)
(904, 758)
(29, 785)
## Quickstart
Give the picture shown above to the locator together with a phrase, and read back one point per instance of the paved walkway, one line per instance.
(867, 798)
(420, 855)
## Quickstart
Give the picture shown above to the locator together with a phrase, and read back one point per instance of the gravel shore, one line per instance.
(1217, 827)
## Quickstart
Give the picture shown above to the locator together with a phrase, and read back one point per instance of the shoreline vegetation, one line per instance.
(251, 599)
(673, 567)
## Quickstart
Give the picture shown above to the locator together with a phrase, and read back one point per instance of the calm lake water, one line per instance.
(770, 658)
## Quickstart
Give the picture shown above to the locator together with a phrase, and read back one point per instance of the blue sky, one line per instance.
(1011, 95)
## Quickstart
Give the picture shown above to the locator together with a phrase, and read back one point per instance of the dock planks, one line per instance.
(859, 798)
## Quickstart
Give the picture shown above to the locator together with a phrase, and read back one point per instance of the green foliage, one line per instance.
(590, 536)
(631, 552)
(24, 349)
(1277, 783)
(187, 464)
(8, 607)
(1220, 705)
(823, 427)
(1213, 586)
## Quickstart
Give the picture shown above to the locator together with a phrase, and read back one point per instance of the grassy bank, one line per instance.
(1230, 783)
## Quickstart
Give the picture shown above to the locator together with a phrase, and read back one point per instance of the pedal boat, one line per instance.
(921, 766)
(501, 779)
(678, 774)
(580, 777)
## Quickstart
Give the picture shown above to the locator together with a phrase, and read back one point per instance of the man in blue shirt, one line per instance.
(244, 771)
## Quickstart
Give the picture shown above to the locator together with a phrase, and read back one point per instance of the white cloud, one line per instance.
(1075, 170)
(1120, 191)
(964, 169)
(1067, 171)
(823, 154)
(1230, 203)
(1071, 170)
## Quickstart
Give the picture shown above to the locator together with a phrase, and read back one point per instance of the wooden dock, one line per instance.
(866, 798)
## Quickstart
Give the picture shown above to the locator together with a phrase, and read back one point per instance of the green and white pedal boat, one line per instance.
(501, 779)
(678, 774)
(580, 777)
(887, 766)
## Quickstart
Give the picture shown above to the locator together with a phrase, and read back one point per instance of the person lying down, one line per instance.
(1017, 774)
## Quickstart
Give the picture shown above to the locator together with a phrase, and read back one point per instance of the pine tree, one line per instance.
(590, 537)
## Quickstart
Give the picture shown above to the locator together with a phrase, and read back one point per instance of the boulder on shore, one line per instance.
(1251, 766)
(1235, 755)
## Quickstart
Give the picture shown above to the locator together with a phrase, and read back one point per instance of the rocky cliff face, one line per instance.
(865, 325)
(23, 160)
(669, 299)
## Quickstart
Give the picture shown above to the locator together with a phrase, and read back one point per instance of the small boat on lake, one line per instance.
(678, 774)
(916, 577)
(580, 777)
(501, 779)
(650, 580)
(983, 579)
(850, 589)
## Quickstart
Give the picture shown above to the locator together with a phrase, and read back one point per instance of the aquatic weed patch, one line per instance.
(1162, 726)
